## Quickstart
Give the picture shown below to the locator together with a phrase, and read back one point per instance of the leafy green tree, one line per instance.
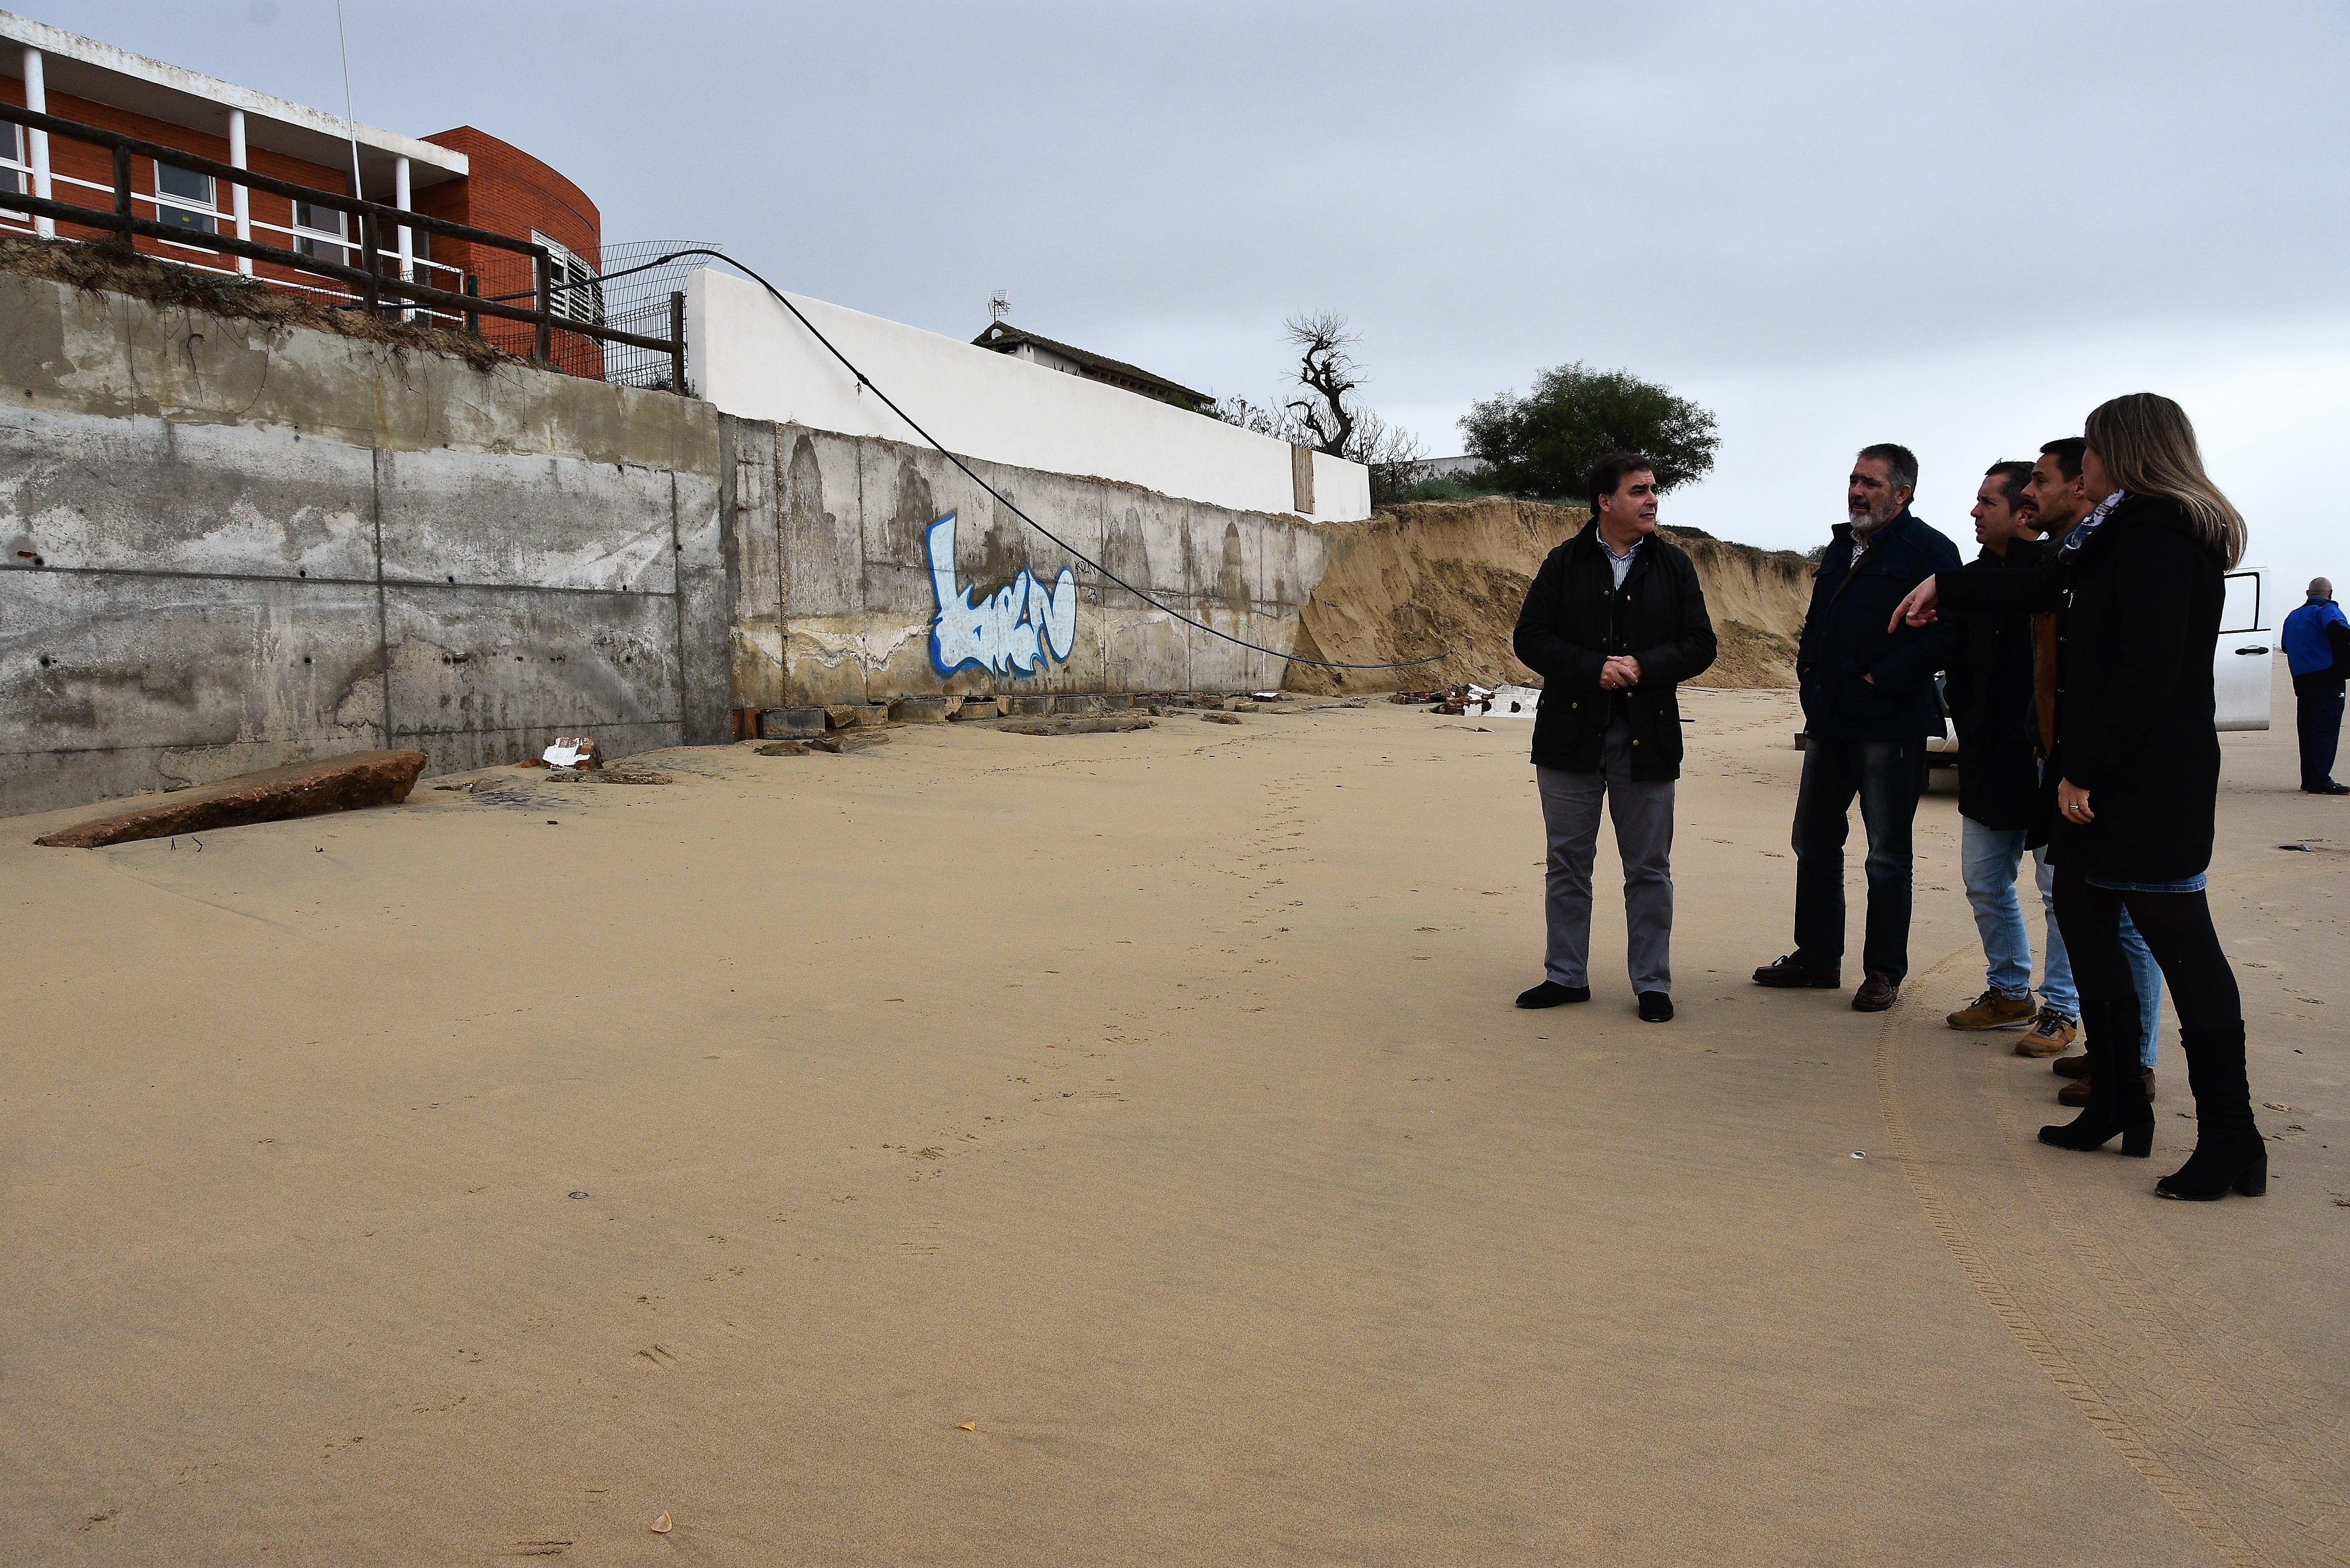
(1542, 444)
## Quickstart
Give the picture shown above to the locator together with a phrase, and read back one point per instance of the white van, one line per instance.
(2241, 669)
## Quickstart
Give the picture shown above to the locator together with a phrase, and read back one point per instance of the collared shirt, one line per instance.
(1621, 566)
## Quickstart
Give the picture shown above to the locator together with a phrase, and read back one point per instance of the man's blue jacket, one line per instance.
(1859, 681)
(2308, 638)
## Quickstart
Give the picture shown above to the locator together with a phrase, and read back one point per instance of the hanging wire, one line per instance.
(1001, 499)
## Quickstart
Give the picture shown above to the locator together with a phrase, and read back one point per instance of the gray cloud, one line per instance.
(1834, 222)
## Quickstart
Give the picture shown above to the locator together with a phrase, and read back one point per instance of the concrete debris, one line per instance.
(919, 711)
(1239, 705)
(784, 749)
(1028, 707)
(790, 724)
(606, 775)
(856, 716)
(1214, 718)
(572, 752)
(1075, 702)
(347, 783)
(976, 708)
(843, 741)
(1506, 703)
(1078, 725)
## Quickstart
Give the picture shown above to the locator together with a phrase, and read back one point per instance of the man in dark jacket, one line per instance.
(1989, 689)
(1869, 705)
(1614, 621)
(2318, 651)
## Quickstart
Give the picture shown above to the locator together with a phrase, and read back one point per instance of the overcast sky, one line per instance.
(1957, 227)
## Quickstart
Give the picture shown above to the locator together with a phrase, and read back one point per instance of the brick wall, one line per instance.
(510, 193)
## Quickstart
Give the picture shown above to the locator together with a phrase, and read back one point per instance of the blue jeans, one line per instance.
(1887, 776)
(1989, 859)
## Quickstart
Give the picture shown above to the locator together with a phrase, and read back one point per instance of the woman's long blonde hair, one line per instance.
(2149, 448)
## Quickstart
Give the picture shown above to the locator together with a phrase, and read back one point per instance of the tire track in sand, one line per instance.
(2169, 1373)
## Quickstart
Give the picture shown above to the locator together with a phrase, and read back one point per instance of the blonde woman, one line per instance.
(2139, 584)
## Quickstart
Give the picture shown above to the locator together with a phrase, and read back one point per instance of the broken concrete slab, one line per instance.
(1028, 707)
(842, 741)
(347, 783)
(1220, 718)
(1077, 725)
(919, 711)
(976, 708)
(790, 724)
(784, 749)
(1076, 702)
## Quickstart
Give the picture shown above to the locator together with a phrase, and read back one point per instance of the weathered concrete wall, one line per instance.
(225, 547)
(837, 592)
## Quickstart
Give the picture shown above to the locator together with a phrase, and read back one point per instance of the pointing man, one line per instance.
(1869, 705)
(1614, 621)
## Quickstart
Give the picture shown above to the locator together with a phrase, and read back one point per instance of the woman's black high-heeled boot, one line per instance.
(2116, 1092)
(2229, 1149)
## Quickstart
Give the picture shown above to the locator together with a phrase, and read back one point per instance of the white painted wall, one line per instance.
(745, 354)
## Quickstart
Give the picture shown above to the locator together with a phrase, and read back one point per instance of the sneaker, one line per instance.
(2050, 1033)
(1992, 1010)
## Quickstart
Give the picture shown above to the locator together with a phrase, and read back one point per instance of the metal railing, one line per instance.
(373, 284)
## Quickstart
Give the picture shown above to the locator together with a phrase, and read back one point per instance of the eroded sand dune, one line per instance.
(1447, 577)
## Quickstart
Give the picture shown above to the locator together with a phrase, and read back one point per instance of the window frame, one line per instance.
(200, 217)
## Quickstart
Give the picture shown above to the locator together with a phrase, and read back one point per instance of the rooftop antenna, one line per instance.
(999, 305)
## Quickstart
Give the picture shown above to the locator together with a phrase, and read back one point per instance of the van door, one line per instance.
(2243, 666)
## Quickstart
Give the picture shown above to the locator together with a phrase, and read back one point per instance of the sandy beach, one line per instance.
(1118, 1149)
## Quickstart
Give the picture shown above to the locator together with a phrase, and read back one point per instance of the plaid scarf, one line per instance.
(2089, 524)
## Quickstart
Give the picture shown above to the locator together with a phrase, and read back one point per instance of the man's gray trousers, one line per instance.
(1643, 815)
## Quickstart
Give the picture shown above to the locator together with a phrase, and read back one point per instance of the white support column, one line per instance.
(37, 99)
(244, 200)
(399, 198)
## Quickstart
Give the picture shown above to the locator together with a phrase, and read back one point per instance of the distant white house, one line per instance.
(1446, 467)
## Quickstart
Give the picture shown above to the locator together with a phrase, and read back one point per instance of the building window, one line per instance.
(578, 292)
(184, 199)
(13, 168)
(319, 231)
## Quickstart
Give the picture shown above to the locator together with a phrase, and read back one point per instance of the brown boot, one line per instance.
(2076, 1093)
(1992, 1010)
(2049, 1035)
(2071, 1066)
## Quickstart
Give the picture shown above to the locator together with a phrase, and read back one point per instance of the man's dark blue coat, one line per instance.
(1860, 682)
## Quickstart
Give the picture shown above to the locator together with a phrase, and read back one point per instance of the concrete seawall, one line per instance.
(843, 583)
(226, 545)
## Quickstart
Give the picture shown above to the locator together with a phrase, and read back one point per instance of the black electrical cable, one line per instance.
(1003, 500)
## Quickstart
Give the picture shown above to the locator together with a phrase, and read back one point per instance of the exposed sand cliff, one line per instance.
(1447, 577)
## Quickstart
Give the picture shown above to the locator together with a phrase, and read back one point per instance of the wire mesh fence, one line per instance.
(640, 302)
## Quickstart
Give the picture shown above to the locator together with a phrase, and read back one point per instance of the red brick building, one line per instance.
(464, 176)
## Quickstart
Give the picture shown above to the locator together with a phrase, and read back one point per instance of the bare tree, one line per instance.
(1333, 420)
(1326, 369)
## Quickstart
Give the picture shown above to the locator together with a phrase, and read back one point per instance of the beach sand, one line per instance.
(1114, 1148)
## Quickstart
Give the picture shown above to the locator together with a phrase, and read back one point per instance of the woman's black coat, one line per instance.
(1574, 618)
(2140, 609)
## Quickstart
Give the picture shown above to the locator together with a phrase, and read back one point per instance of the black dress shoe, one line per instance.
(1656, 1007)
(1877, 993)
(1550, 993)
(1792, 972)
(2330, 786)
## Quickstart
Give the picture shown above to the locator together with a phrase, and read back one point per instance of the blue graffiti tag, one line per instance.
(1011, 630)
